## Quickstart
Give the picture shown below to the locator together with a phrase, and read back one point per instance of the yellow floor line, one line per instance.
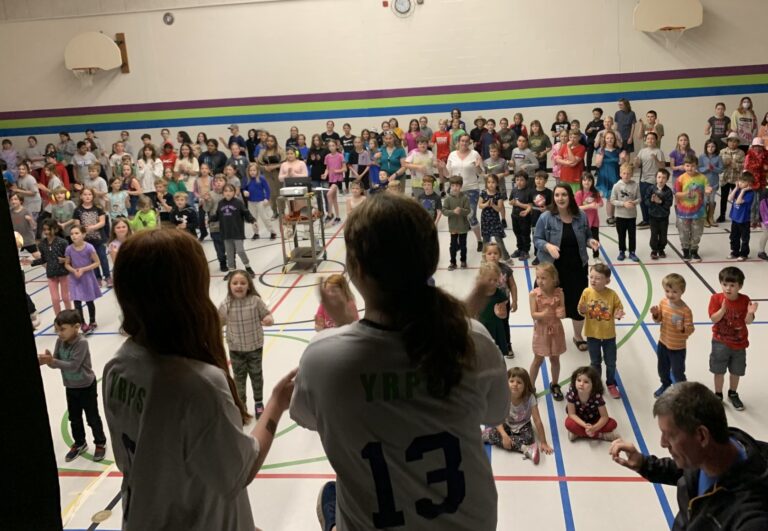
(70, 510)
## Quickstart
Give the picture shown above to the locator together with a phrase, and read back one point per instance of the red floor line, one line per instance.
(570, 479)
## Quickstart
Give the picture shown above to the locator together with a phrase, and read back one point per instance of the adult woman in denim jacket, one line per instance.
(561, 237)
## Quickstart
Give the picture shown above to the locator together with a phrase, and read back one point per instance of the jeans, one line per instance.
(626, 226)
(644, 187)
(218, 245)
(690, 231)
(740, 239)
(603, 350)
(246, 364)
(659, 229)
(458, 243)
(521, 226)
(101, 251)
(474, 197)
(670, 361)
(85, 399)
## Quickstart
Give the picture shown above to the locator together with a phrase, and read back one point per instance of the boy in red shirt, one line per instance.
(168, 157)
(730, 312)
(572, 160)
(441, 143)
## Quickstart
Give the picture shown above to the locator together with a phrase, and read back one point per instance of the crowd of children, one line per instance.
(74, 213)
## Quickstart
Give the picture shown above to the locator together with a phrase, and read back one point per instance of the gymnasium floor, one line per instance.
(578, 487)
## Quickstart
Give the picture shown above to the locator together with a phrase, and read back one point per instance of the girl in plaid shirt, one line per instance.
(245, 314)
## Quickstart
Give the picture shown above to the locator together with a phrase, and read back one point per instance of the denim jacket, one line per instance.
(549, 229)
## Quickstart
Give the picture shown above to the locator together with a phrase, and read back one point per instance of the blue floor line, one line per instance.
(565, 497)
(668, 514)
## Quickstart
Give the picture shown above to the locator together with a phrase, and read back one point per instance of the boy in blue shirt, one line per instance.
(741, 198)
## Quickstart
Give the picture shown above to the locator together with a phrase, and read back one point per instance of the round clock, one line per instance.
(402, 8)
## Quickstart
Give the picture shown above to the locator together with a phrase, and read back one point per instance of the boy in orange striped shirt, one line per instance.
(676, 321)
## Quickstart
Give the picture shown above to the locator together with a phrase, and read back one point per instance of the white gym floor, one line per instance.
(578, 487)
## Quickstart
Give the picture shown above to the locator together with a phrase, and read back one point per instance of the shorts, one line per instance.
(724, 357)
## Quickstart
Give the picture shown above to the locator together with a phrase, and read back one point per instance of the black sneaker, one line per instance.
(250, 271)
(719, 395)
(695, 255)
(326, 506)
(101, 450)
(451, 267)
(721, 219)
(733, 398)
(75, 451)
(91, 329)
(611, 221)
(463, 265)
(686, 255)
(524, 255)
(556, 392)
(762, 256)
(223, 268)
(479, 247)
(259, 409)
(228, 275)
(661, 254)
(272, 236)
(255, 236)
(516, 254)
(643, 225)
(660, 391)
(535, 261)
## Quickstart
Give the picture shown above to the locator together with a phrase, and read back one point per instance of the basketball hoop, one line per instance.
(672, 35)
(85, 75)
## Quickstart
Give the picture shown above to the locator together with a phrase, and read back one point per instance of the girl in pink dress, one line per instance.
(335, 167)
(547, 305)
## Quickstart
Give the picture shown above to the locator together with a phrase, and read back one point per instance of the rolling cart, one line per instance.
(303, 256)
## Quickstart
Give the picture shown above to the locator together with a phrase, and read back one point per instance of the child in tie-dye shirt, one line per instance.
(690, 190)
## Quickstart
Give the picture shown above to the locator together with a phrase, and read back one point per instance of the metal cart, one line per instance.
(303, 256)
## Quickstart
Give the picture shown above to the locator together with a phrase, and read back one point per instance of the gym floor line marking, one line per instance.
(565, 496)
(662, 497)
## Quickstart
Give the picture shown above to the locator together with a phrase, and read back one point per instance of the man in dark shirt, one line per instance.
(215, 159)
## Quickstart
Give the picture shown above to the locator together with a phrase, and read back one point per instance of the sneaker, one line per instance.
(695, 255)
(719, 395)
(255, 236)
(762, 256)
(463, 265)
(109, 282)
(479, 247)
(75, 451)
(228, 275)
(516, 254)
(721, 219)
(610, 436)
(741, 259)
(510, 354)
(84, 329)
(535, 261)
(733, 398)
(686, 255)
(572, 436)
(101, 450)
(451, 267)
(272, 236)
(732, 256)
(259, 409)
(524, 255)
(621, 256)
(250, 271)
(91, 329)
(633, 257)
(654, 255)
(614, 391)
(660, 391)
(326, 506)
(611, 221)
(556, 392)
(202, 238)
(532, 453)
(643, 225)
(223, 268)
(662, 254)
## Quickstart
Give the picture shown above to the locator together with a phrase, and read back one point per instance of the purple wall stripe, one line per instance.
(659, 75)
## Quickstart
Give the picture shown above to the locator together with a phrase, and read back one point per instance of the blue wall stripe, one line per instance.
(395, 110)
(565, 497)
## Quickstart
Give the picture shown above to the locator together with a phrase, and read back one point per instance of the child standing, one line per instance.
(121, 229)
(523, 159)
(146, 216)
(493, 314)
(256, 191)
(676, 320)
(92, 220)
(516, 433)
(541, 200)
(420, 162)
(118, 199)
(521, 201)
(659, 201)
(547, 304)
(590, 201)
(756, 162)
(601, 307)
(245, 314)
(72, 356)
(733, 165)
(211, 204)
(183, 216)
(456, 209)
(741, 198)
(202, 187)
(232, 215)
(690, 188)
(52, 248)
(678, 155)
(625, 196)
(731, 312)
(335, 168)
(430, 199)
(335, 284)
(23, 223)
(492, 254)
(81, 260)
(711, 166)
(587, 415)
(496, 165)
(491, 203)
(356, 196)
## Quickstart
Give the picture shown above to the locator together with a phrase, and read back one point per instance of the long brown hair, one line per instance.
(434, 324)
(156, 295)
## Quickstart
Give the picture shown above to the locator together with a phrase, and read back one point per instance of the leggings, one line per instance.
(233, 247)
(91, 310)
(523, 437)
(595, 236)
(59, 288)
